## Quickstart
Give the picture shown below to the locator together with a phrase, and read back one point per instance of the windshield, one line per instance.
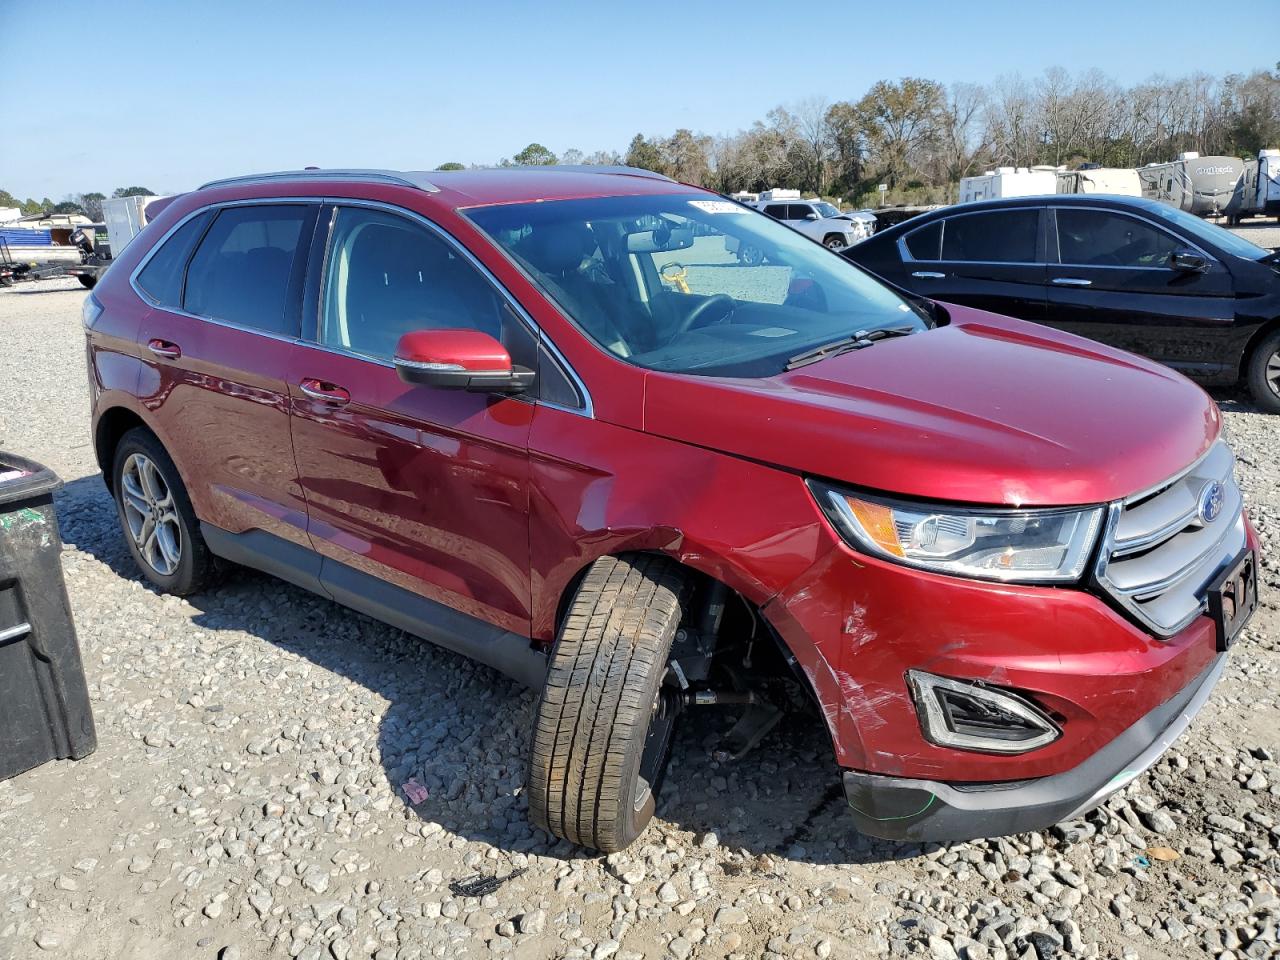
(826, 209)
(691, 283)
(1210, 233)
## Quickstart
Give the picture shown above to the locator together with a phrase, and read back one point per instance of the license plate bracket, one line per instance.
(1233, 597)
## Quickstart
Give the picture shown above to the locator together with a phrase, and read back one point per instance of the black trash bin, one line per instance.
(44, 700)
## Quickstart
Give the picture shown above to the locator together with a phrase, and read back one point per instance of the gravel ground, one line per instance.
(245, 800)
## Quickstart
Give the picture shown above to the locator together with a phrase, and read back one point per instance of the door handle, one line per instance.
(929, 274)
(1072, 282)
(163, 348)
(325, 392)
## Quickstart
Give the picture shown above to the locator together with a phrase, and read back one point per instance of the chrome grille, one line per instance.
(1160, 554)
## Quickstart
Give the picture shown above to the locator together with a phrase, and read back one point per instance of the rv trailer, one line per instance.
(1200, 185)
(1010, 182)
(1093, 179)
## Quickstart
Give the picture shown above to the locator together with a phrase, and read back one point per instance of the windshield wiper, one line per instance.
(863, 338)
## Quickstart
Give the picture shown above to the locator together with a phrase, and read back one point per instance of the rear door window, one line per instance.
(162, 277)
(777, 210)
(926, 243)
(241, 271)
(997, 236)
(1099, 238)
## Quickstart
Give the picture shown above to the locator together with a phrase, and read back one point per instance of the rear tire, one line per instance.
(1264, 373)
(603, 726)
(159, 524)
(87, 282)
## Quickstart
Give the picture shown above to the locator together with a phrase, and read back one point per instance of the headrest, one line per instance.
(557, 248)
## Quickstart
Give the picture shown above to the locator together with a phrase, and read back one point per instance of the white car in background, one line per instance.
(818, 219)
(814, 218)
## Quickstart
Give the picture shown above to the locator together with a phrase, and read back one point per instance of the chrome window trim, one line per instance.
(586, 410)
(1055, 207)
(906, 256)
(155, 247)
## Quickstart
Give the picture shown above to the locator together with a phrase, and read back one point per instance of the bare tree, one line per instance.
(962, 146)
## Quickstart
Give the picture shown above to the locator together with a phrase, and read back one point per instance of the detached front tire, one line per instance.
(1264, 373)
(604, 722)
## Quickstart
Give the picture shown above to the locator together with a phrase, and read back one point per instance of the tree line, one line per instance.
(88, 204)
(919, 137)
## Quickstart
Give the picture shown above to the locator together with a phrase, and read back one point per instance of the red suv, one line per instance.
(548, 419)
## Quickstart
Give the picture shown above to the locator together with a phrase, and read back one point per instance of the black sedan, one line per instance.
(1132, 273)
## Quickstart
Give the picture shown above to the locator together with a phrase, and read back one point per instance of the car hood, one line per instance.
(983, 410)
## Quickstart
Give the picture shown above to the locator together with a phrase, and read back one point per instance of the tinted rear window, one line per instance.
(240, 272)
(161, 278)
(926, 243)
(1001, 236)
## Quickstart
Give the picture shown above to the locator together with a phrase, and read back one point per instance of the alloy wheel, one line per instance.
(1273, 372)
(657, 744)
(151, 514)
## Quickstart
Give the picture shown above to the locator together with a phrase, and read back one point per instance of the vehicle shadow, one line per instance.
(461, 729)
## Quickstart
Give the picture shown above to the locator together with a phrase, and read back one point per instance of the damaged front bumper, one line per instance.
(900, 808)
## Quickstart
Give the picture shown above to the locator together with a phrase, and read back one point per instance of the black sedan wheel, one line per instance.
(1264, 373)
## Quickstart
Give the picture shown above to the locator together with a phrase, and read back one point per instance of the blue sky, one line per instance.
(168, 94)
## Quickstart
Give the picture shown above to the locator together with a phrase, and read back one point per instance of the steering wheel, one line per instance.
(698, 312)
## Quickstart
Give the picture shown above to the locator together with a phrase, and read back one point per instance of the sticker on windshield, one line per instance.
(717, 206)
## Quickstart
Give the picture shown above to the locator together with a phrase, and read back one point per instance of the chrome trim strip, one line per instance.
(1156, 587)
(588, 408)
(1133, 599)
(1123, 212)
(1143, 494)
(1122, 548)
(14, 632)
(906, 256)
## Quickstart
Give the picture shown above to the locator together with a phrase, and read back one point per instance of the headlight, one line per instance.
(1041, 546)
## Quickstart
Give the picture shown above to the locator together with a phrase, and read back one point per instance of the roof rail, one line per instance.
(409, 178)
(618, 169)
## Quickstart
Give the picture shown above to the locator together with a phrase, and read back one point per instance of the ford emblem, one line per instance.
(1210, 501)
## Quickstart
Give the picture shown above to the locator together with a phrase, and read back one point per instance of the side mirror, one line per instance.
(1188, 262)
(459, 360)
(812, 216)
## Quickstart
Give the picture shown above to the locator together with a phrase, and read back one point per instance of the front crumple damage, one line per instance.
(856, 625)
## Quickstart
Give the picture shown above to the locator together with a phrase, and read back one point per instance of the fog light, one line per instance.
(969, 716)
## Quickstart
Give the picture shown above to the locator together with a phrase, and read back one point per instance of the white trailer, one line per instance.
(125, 217)
(1259, 193)
(1204, 186)
(1010, 182)
(1111, 180)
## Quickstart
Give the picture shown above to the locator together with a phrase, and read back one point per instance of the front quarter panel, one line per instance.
(599, 489)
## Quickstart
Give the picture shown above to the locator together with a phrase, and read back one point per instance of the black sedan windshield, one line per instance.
(692, 283)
